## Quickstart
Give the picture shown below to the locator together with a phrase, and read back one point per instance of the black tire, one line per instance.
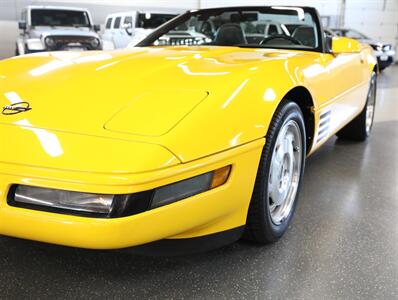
(357, 129)
(16, 52)
(259, 226)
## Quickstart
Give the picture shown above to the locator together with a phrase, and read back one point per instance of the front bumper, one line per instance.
(213, 211)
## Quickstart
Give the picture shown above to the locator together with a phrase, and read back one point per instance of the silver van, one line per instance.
(52, 28)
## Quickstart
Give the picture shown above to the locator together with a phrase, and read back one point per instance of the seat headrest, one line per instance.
(305, 34)
(230, 34)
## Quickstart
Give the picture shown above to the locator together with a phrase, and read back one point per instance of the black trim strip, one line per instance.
(324, 129)
(325, 120)
(175, 247)
(322, 137)
(325, 114)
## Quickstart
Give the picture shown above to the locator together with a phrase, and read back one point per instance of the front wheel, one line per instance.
(279, 176)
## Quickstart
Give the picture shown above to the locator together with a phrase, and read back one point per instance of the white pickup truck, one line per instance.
(121, 29)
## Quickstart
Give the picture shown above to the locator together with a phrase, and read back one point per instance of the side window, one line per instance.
(116, 25)
(108, 23)
(272, 29)
(128, 22)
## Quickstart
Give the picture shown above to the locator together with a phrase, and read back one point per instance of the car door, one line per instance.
(346, 90)
(126, 31)
(107, 36)
(116, 28)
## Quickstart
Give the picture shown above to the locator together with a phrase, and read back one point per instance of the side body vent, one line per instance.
(323, 129)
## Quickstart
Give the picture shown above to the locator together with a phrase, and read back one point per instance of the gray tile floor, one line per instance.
(342, 244)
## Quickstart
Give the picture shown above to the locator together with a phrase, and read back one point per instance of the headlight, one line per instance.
(34, 44)
(83, 202)
(113, 206)
(387, 48)
(50, 42)
(189, 187)
(95, 42)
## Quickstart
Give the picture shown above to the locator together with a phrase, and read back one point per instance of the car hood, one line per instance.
(43, 31)
(151, 95)
(142, 92)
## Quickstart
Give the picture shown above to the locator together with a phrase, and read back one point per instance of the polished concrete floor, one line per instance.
(342, 244)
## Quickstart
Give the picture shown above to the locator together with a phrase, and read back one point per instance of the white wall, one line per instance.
(376, 18)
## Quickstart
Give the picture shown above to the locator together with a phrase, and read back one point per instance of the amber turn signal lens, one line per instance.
(220, 176)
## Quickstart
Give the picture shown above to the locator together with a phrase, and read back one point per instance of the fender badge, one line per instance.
(16, 108)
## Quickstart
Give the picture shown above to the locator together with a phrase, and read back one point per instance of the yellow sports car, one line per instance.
(189, 141)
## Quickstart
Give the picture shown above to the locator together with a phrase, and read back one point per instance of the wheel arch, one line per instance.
(303, 98)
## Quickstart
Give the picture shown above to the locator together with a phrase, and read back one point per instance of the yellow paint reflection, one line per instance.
(48, 140)
(187, 71)
(13, 97)
(269, 95)
(49, 67)
(235, 140)
(107, 65)
(235, 93)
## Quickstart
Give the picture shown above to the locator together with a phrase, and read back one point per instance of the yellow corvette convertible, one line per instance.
(193, 139)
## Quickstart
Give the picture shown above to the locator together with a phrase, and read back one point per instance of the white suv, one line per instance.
(123, 28)
(52, 28)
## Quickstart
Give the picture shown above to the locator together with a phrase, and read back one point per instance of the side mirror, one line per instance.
(129, 28)
(22, 25)
(97, 28)
(328, 43)
(345, 45)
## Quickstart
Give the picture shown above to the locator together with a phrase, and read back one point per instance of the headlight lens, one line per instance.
(387, 48)
(50, 42)
(34, 44)
(90, 203)
(180, 190)
(95, 42)
(189, 187)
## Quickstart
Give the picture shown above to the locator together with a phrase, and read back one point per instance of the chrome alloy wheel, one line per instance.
(370, 107)
(285, 169)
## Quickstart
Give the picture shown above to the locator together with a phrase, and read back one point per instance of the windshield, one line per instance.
(151, 21)
(353, 34)
(350, 33)
(57, 17)
(263, 27)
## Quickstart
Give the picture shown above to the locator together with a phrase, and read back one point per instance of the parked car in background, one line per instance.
(385, 52)
(50, 28)
(122, 28)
